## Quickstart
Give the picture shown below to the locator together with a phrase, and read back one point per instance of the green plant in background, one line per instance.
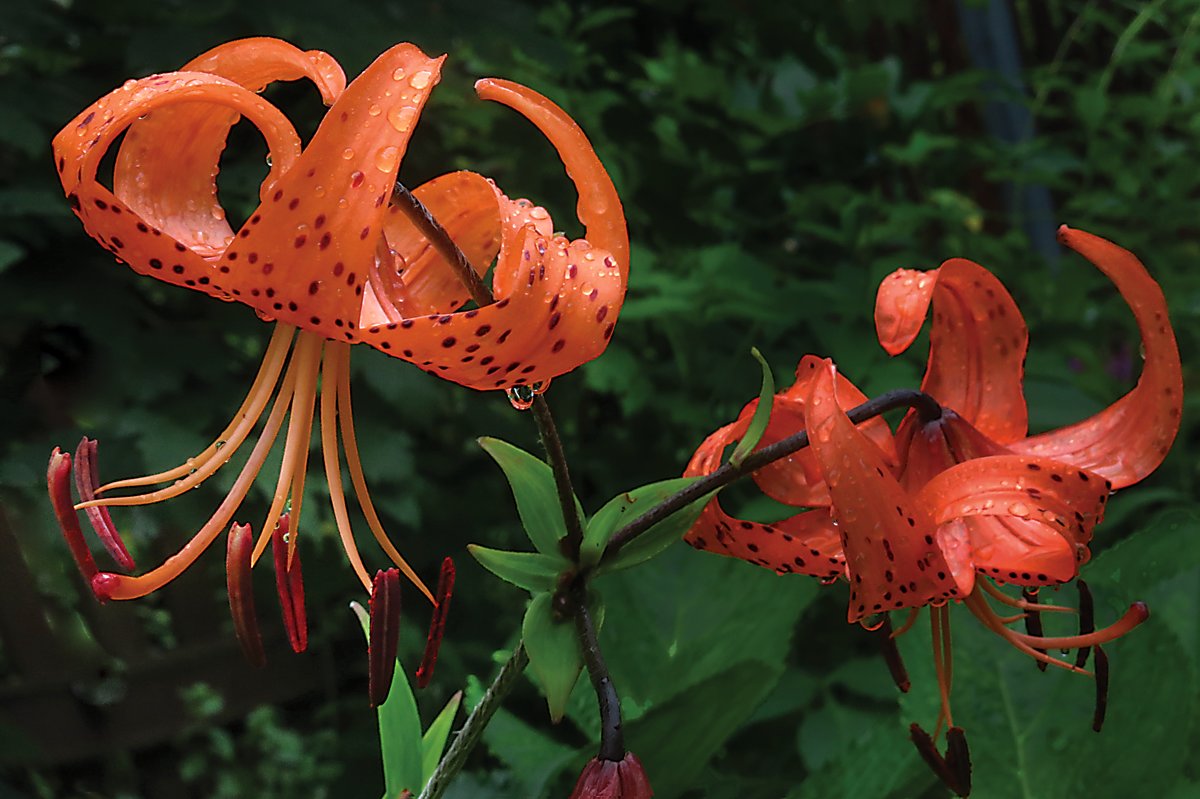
(770, 181)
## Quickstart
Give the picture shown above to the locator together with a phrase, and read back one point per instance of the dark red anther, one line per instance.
(958, 760)
(1087, 620)
(289, 582)
(241, 594)
(1033, 621)
(385, 633)
(437, 625)
(87, 480)
(104, 584)
(891, 655)
(954, 770)
(1100, 665)
(58, 483)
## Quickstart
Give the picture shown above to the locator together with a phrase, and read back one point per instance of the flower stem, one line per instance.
(454, 758)
(926, 406)
(612, 740)
(562, 475)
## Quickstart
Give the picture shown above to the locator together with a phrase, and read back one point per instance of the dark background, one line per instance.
(775, 161)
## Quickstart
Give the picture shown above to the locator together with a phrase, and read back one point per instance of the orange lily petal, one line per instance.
(167, 163)
(1129, 439)
(304, 255)
(413, 277)
(1029, 519)
(891, 558)
(79, 147)
(807, 543)
(976, 347)
(797, 479)
(599, 207)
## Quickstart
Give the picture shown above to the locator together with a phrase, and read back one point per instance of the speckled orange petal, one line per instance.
(1129, 439)
(807, 543)
(561, 314)
(599, 207)
(167, 165)
(928, 449)
(797, 479)
(80, 146)
(976, 347)
(303, 257)
(891, 558)
(414, 277)
(1045, 512)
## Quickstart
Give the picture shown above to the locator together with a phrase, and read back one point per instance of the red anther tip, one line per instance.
(384, 635)
(1063, 232)
(437, 624)
(289, 583)
(1141, 610)
(58, 486)
(104, 585)
(241, 594)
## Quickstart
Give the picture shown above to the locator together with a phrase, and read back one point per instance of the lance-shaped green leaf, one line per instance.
(554, 652)
(433, 742)
(762, 413)
(399, 728)
(629, 505)
(532, 571)
(532, 483)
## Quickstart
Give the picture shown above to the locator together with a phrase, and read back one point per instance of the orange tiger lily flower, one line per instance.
(330, 261)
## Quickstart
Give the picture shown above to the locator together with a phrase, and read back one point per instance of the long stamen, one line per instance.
(86, 482)
(116, 586)
(1138, 612)
(251, 409)
(982, 611)
(1087, 619)
(339, 355)
(333, 478)
(1024, 603)
(1033, 623)
(437, 625)
(947, 660)
(913, 613)
(241, 594)
(307, 359)
(891, 655)
(939, 665)
(1101, 661)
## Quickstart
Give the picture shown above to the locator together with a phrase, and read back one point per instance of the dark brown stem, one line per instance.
(562, 475)
(612, 740)
(926, 406)
(433, 231)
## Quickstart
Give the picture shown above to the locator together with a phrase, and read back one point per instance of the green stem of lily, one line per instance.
(926, 406)
(452, 762)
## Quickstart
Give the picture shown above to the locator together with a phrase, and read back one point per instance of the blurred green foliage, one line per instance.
(775, 161)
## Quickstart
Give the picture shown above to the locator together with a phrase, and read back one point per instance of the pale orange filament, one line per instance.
(913, 613)
(940, 666)
(979, 606)
(121, 586)
(337, 361)
(333, 470)
(307, 359)
(196, 469)
(1022, 603)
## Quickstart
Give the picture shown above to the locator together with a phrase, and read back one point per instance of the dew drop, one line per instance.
(374, 110)
(398, 74)
(401, 117)
(386, 158)
(347, 154)
(1019, 509)
(420, 80)
(538, 213)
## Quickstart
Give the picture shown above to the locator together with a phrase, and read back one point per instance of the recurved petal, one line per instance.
(560, 314)
(892, 559)
(413, 276)
(1030, 519)
(139, 242)
(1129, 439)
(976, 347)
(807, 543)
(599, 207)
(305, 255)
(167, 165)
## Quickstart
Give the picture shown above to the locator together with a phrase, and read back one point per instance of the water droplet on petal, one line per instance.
(347, 154)
(374, 110)
(420, 80)
(1019, 509)
(386, 158)
(401, 117)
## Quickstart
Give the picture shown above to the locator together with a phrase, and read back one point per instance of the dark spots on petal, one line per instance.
(600, 314)
(319, 222)
(503, 337)
(449, 341)
(1056, 478)
(485, 360)
(316, 320)
(483, 330)
(503, 303)
(155, 263)
(406, 324)
(365, 232)
(1033, 467)
(73, 201)
(180, 247)
(324, 242)
(300, 240)
(100, 204)
(268, 268)
(294, 204)
(558, 345)
(608, 331)
(277, 196)
(554, 320)
(338, 268)
(177, 269)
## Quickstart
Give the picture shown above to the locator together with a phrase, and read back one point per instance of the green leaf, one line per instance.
(762, 413)
(399, 727)
(433, 742)
(532, 571)
(532, 483)
(675, 740)
(554, 653)
(624, 508)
